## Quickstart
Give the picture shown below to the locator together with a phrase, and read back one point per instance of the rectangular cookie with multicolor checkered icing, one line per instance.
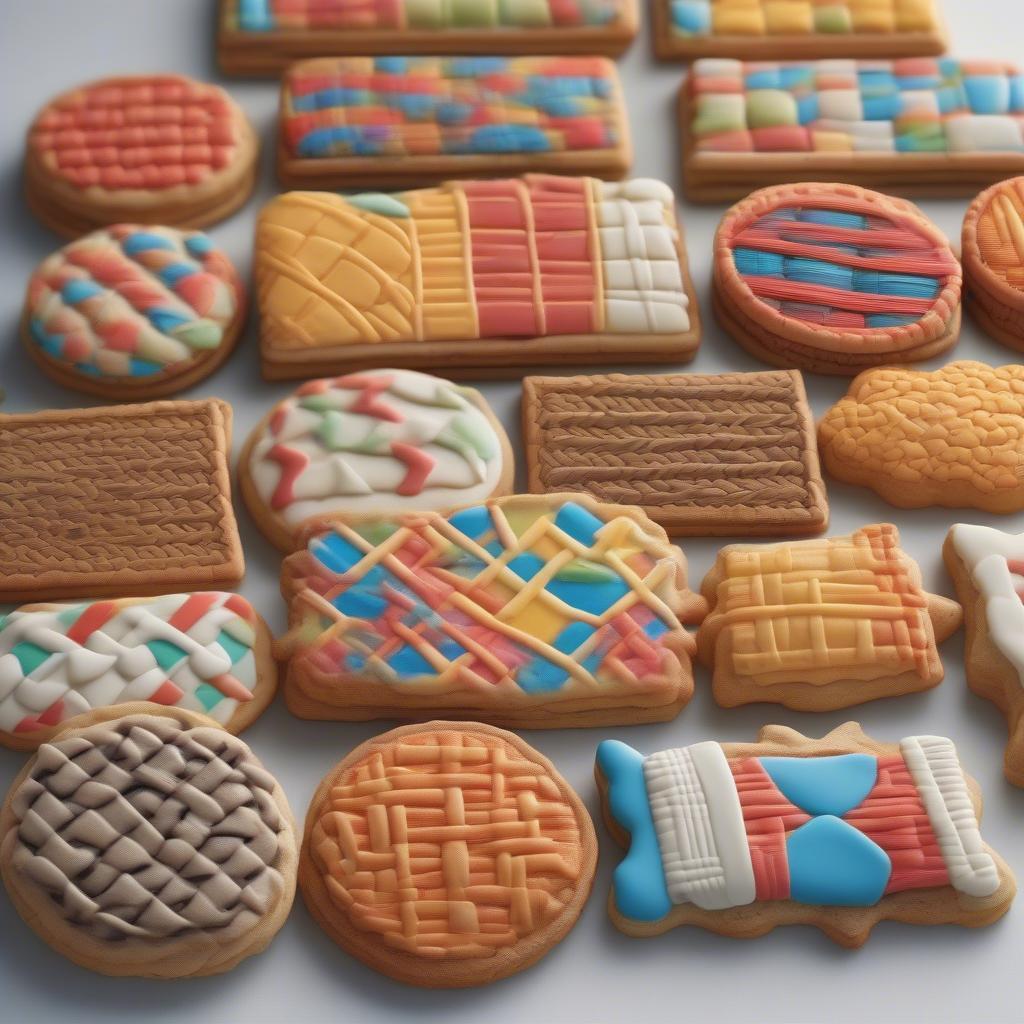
(797, 29)
(481, 277)
(262, 37)
(914, 126)
(398, 122)
(530, 611)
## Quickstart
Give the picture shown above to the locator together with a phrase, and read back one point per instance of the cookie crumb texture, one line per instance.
(449, 856)
(145, 846)
(953, 437)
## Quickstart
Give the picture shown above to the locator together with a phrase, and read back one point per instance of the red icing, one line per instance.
(90, 620)
(240, 607)
(292, 463)
(231, 687)
(53, 714)
(369, 402)
(193, 609)
(166, 693)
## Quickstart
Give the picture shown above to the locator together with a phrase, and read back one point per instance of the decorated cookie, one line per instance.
(797, 29)
(151, 844)
(368, 443)
(382, 122)
(529, 611)
(953, 437)
(987, 567)
(839, 833)
(149, 149)
(701, 454)
(134, 312)
(834, 278)
(207, 652)
(117, 501)
(917, 126)
(993, 254)
(262, 37)
(817, 625)
(479, 277)
(447, 855)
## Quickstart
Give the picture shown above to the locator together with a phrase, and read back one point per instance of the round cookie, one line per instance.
(152, 149)
(379, 441)
(133, 312)
(447, 854)
(993, 255)
(834, 279)
(151, 844)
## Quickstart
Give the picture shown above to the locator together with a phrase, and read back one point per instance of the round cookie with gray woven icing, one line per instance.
(152, 844)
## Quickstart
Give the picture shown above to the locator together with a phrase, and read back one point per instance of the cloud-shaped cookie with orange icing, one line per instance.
(953, 437)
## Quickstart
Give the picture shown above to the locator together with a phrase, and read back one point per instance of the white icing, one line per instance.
(699, 822)
(935, 769)
(987, 553)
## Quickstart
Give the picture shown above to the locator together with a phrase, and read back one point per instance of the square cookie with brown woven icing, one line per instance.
(117, 501)
(701, 454)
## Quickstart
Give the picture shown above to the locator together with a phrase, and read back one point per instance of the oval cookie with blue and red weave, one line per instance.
(133, 312)
(834, 279)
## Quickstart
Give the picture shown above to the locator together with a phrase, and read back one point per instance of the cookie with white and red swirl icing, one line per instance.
(133, 311)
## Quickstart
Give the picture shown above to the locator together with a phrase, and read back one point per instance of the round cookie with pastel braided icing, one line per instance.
(376, 441)
(447, 855)
(151, 844)
(834, 279)
(133, 312)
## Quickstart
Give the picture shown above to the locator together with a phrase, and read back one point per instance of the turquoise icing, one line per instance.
(832, 864)
(595, 598)
(143, 241)
(407, 661)
(824, 785)
(526, 565)
(639, 880)
(473, 522)
(335, 552)
(380, 203)
(234, 649)
(578, 523)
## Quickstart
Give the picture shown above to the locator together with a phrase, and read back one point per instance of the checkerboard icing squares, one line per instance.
(523, 602)
(340, 116)
(873, 113)
(341, 279)
(718, 826)
(191, 651)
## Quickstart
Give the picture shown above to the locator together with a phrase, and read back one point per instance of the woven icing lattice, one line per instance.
(448, 844)
(1000, 233)
(696, 18)
(421, 106)
(914, 105)
(148, 132)
(142, 828)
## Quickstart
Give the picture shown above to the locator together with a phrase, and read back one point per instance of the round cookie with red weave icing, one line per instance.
(152, 149)
(378, 441)
(834, 279)
(149, 842)
(447, 855)
(133, 311)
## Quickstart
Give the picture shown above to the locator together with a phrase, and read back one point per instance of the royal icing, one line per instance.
(995, 561)
(384, 439)
(132, 301)
(191, 651)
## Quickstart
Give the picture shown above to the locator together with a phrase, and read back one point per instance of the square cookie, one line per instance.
(701, 454)
(117, 501)
(479, 277)
(394, 122)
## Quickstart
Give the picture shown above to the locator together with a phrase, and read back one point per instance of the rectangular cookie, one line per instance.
(917, 126)
(479, 277)
(117, 501)
(527, 612)
(797, 29)
(701, 454)
(262, 37)
(396, 122)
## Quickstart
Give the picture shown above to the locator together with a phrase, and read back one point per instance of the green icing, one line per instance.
(769, 108)
(482, 444)
(201, 334)
(70, 616)
(377, 532)
(526, 13)
(167, 654)
(208, 695)
(235, 649)
(472, 14)
(832, 19)
(30, 655)
(581, 570)
(316, 403)
(380, 203)
(424, 14)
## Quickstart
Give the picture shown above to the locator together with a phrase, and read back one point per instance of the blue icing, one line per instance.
(819, 272)
(877, 321)
(526, 565)
(416, 106)
(473, 522)
(792, 75)
(472, 67)
(912, 285)
(573, 636)
(541, 676)
(808, 108)
(595, 598)
(988, 94)
(451, 112)
(767, 78)
(656, 628)
(51, 344)
(882, 108)
(323, 99)
(755, 263)
(833, 218)
(255, 16)
(824, 785)
(578, 523)
(144, 241)
(355, 661)
(692, 17)
(78, 291)
(407, 661)
(494, 548)
(918, 83)
(509, 138)
(1017, 93)
(143, 367)
(360, 602)
(451, 649)
(174, 272)
(951, 97)
(392, 65)
(89, 369)
(639, 880)
(321, 141)
(199, 244)
(832, 864)
(165, 320)
(334, 551)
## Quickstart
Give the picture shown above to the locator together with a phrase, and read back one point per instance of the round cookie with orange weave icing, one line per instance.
(993, 255)
(835, 278)
(133, 312)
(447, 855)
(377, 441)
(153, 149)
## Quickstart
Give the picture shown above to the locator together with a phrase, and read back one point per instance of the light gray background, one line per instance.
(795, 974)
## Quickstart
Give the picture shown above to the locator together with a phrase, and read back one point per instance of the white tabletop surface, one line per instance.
(596, 974)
